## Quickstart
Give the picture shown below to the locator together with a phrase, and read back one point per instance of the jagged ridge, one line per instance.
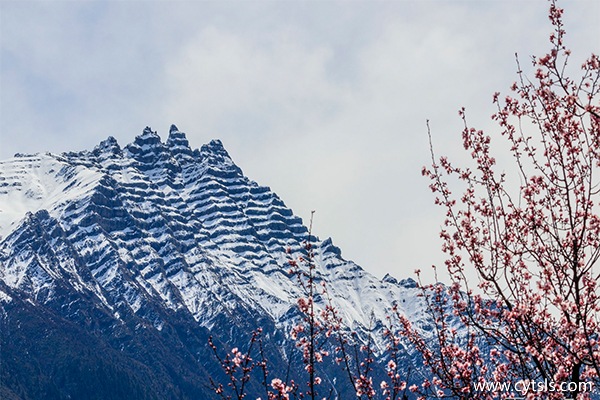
(153, 230)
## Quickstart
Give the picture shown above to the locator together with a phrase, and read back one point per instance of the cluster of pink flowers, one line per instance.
(283, 391)
(534, 249)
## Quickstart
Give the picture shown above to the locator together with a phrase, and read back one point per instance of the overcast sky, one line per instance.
(323, 101)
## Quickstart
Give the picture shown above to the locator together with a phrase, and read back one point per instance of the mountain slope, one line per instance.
(145, 251)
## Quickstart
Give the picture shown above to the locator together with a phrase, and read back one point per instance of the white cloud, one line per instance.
(325, 102)
(224, 79)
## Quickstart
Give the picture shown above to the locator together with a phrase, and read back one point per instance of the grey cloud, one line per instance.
(324, 101)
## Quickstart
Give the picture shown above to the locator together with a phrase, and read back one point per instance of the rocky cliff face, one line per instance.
(117, 264)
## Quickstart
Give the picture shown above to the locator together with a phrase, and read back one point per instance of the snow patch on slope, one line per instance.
(36, 182)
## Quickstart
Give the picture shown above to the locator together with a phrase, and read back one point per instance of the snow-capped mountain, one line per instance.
(118, 263)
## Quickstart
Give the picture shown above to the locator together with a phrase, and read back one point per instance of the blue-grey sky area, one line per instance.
(323, 101)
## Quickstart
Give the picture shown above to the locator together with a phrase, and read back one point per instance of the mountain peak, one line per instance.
(177, 138)
(179, 146)
(215, 144)
(107, 146)
(215, 147)
(147, 139)
(151, 249)
(214, 154)
(148, 131)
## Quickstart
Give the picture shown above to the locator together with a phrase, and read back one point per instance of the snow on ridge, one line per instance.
(37, 182)
(237, 230)
(5, 297)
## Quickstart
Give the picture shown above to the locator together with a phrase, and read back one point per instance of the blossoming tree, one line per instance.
(522, 258)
